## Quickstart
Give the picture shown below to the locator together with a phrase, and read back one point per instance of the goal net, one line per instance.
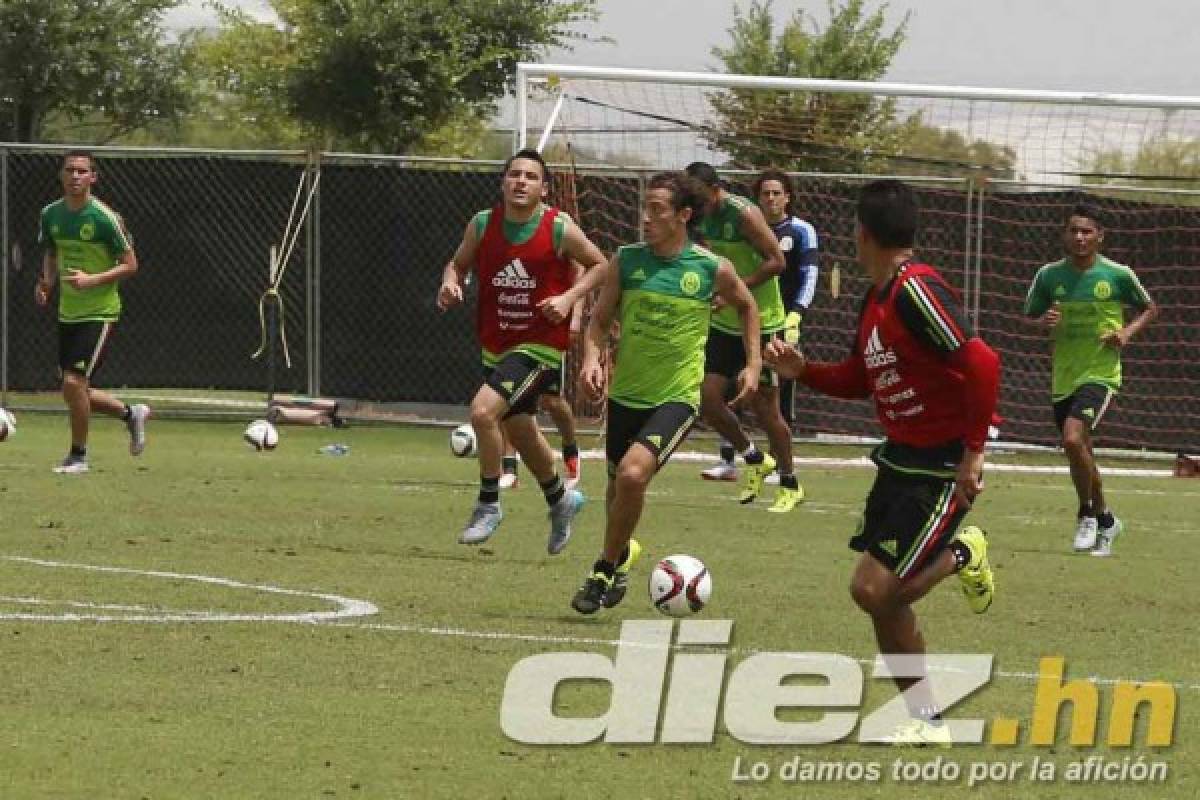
(997, 172)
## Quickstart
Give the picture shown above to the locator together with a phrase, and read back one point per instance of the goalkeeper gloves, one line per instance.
(791, 327)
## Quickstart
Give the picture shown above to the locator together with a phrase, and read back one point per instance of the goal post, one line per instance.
(996, 170)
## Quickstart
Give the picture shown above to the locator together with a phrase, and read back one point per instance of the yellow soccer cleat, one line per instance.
(919, 733)
(978, 583)
(787, 499)
(755, 474)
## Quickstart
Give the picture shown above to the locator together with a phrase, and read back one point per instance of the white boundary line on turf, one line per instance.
(346, 607)
(863, 461)
(542, 638)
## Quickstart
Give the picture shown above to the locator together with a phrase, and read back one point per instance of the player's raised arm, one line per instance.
(450, 293)
(756, 230)
(734, 293)
(591, 373)
(579, 249)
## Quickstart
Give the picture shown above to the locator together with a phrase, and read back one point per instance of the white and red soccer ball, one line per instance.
(680, 585)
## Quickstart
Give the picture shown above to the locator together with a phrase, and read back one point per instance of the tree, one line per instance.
(380, 77)
(104, 62)
(928, 150)
(807, 130)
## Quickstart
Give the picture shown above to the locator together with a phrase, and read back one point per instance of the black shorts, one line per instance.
(82, 345)
(660, 430)
(909, 520)
(1087, 404)
(725, 355)
(520, 379)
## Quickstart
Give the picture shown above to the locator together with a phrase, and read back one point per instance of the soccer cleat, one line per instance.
(1085, 534)
(138, 414)
(590, 596)
(485, 518)
(978, 583)
(1105, 538)
(572, 467)
(786, 499)
(561, 514)
(772, 479)
(919, 733)
(72, 465)
(616, 592)
(509, 481)
(721, 472)
(755, 473)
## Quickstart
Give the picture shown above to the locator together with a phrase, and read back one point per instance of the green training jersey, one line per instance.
(665, 315)
(89, 240)
(1092, 304)
(722, 233)
(519, 233)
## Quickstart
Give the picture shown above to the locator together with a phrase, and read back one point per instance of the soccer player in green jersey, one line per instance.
(1081, 301)
(734, 228)
(87, 251)
(661, 291)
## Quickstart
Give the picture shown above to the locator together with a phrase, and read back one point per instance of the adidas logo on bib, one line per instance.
(514, 276)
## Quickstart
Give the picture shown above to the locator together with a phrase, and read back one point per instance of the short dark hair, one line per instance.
(1087, 211)
(532, 155)
(784, 181)
(704, 172)
(80, 154)
(686, 191)
(888, 211)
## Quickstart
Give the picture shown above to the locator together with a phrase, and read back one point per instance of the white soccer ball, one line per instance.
(8, 424)
(261, 435)
(680, 585)
(462, 441)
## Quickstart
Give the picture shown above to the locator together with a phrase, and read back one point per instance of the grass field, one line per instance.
(197, 622)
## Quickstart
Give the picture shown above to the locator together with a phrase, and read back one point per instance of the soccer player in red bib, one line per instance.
(934, 384)
(521, 251)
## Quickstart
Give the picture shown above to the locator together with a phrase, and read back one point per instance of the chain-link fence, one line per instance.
(359, 289)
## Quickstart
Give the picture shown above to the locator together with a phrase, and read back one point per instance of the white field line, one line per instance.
(348, 608)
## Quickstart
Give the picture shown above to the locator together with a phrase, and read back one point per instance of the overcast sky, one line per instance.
(1144, 47)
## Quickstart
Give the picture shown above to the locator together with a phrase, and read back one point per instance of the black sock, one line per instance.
(510, 464)
(789, 481)
(489, 490)
(624, 555)
(727, 452)
(127, 413)
(1085, 510)
(1105, 519)
(962, 554)
(606, 568)
(78, 451)
(753, 456)
(553, 489)
(570, 450)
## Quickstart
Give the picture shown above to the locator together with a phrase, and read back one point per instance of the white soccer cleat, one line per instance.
(721, 472)
(1105, 538)
(72, 465)
(485, 518)
(138, 414)
(1085, 534)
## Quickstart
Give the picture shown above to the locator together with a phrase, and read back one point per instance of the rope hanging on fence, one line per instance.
(278, 266)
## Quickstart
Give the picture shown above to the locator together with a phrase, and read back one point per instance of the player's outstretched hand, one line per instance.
(592, 379)
(968, 481)
(784, 358)
(449, 295)
(1115, 339)
(556, 309)
(747, 386)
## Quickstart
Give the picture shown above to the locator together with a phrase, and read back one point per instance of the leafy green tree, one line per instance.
(928, 150)
(807, 130)
(381, 77)
(96, 69)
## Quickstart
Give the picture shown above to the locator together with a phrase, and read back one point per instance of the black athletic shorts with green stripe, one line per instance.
(521, 379)
(911, 514)
(660, 429)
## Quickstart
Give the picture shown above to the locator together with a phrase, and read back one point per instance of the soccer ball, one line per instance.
(462, 441)
(8, 424)
(680, 585)
(261, 435)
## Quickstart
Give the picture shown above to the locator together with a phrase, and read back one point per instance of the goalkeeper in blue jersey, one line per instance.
(797, 285)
